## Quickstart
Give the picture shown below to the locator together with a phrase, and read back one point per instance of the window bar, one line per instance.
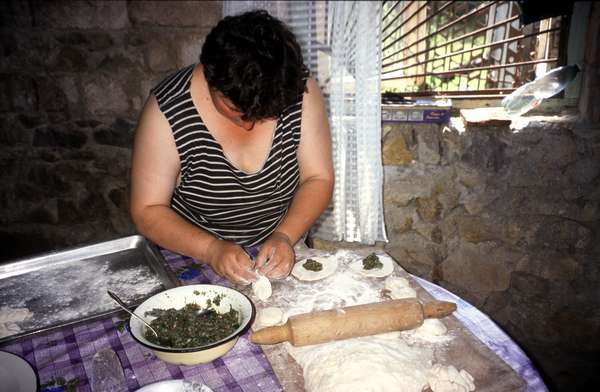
(489, 37)
(483, 68)
(455, 21)
(391, 9)
(505, 41)
(447, 63)
(476, 32)
(391, 22)
(480, 75)
(403, 23)
(491, 92)
(446, 5)
(507, 29)
(462, 58)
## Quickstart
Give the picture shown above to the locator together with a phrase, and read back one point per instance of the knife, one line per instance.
(107, 372)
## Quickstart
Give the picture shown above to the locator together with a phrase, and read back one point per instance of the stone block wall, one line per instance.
(74, 76)
(510, 221)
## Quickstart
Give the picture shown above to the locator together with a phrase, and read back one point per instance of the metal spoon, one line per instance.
(122, 304)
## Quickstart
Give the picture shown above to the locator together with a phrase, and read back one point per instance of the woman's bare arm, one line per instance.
(154, 172)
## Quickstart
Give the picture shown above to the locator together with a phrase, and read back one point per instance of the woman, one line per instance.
(234, 151)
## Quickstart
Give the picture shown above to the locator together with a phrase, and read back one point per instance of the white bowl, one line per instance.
(177, 298)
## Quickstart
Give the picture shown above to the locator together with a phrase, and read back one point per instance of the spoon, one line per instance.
(122, 304)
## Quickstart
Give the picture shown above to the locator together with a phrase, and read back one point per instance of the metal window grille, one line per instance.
(458, 48)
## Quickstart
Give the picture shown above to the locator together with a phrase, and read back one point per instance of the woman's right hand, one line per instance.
(230, 261)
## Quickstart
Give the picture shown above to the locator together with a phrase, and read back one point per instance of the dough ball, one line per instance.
(432, 327)
(396, 287)
(262, 288)
(269, 316)
(406, 292)
(395, 282)
(329, 264)
(449, 379)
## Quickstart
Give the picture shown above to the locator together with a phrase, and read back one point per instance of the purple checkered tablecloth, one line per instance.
(65, 355)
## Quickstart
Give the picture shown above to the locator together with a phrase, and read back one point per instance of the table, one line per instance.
(490, 334)
(67, 352)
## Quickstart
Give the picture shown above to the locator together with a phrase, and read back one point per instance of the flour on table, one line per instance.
(375, 363)
(10, 319)
(329, 264)
(449, 379)
(262, 288)
(385, 270)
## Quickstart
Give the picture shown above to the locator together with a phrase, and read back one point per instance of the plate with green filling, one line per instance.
(373, 265)
(315, 268)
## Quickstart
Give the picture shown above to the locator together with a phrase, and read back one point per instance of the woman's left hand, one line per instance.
(276, 257)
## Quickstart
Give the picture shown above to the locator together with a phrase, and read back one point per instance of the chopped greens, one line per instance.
(312, 265)
(372, 262)
(189, 327)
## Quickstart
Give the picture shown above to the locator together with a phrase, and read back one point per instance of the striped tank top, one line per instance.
(213, 194)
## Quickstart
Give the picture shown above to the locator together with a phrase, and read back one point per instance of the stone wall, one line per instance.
(510, 221)
(74, 76)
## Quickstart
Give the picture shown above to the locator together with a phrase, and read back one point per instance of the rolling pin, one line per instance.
(353, 321)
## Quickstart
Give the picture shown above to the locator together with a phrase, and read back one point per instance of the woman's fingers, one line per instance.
(279, 265)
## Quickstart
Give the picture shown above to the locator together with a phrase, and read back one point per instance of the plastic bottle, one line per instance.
(531, 94)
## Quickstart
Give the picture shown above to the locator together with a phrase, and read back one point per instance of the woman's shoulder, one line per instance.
(175, 84)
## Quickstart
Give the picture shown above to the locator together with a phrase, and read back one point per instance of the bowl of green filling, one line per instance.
(195, 324)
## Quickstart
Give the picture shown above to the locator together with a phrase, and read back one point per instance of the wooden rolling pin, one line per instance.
(353, 321)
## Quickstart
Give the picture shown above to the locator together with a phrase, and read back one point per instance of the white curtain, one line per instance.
(341, 46)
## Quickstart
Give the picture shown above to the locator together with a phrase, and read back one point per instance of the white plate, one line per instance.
(175, 386)
(16, 374)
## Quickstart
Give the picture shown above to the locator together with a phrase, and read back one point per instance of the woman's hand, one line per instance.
(276, 257)
(230, 261)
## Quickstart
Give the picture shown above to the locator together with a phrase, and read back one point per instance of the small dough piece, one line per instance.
(432, 327)
(262, 288)
(330, 265)
(398, 288)
(449, 379)
(404, 292)
(269, 316)
(396, 282)
(387, 269)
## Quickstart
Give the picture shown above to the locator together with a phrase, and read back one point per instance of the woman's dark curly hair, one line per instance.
(254, 60)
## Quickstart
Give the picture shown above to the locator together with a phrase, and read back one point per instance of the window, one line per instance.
(465, 48)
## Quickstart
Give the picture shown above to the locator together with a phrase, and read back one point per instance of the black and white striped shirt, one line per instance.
(215, 195)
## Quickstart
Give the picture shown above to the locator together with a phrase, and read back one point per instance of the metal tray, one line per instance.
(52, 290)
